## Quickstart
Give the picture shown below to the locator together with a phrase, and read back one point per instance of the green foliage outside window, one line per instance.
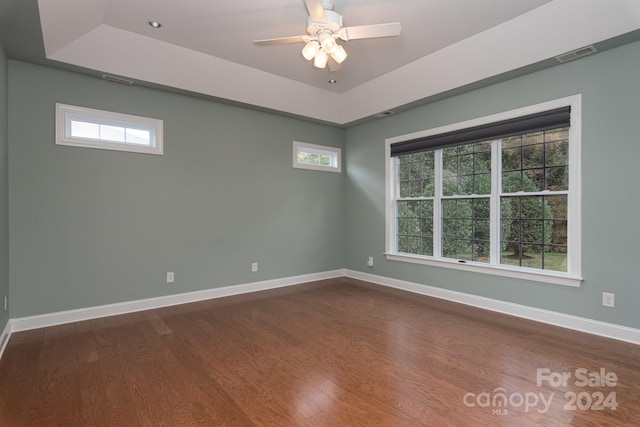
(533, 229)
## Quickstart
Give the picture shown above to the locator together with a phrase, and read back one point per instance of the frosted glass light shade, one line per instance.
(339, 54)
(327, 42)
(321, 59)
(310, 50)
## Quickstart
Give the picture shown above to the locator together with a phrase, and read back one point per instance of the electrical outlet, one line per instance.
(608, 300)
(254, 267)
(170, 277)
(370, 261)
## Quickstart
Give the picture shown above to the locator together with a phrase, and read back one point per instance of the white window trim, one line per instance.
(334, 152)
(155, 126)
(574, 228)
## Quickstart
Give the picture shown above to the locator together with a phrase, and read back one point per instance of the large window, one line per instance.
(87, 127)
(499, 194)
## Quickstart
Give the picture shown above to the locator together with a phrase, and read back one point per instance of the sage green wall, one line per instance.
(4, 189)
(92, 227)
(610, 87)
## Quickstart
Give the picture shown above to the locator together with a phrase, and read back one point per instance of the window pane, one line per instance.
(138, 136)
(511, 182)
(557, 178)
(417, 175)
(511, 158)
(533, 180)
(112, 133)
(466, 229)
(531, 233)
(466, 168)
(541, 158)
(85, 130)
(415, 227)
(532, 138)
(533, 156)
(557, 153)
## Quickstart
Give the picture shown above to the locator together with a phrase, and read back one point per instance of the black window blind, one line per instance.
(557, 118)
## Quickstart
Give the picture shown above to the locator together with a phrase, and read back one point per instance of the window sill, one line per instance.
(551, 277)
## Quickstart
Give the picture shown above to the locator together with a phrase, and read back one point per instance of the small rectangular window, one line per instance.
(86, 127)
(317, 157)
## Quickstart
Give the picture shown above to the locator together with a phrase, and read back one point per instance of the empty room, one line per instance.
(319, 213)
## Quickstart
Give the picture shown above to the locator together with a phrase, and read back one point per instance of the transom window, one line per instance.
(317, 157)
(87, 127)
(497, 195)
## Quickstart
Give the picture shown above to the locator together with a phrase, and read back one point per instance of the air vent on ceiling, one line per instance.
(117, 79)
(384, 114)
(578, 53)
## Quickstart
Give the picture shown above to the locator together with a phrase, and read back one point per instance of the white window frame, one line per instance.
(334, 152)
(573, 277)
(66, 113)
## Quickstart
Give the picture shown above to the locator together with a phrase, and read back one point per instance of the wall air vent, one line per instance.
(578, 53)
(117, 79)
(384, 114)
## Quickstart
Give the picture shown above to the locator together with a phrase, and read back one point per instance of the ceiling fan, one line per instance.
(325, 28)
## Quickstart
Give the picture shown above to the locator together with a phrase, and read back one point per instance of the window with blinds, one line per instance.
(499, 194)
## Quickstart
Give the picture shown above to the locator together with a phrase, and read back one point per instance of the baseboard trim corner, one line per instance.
(582, 324)
(4, 338)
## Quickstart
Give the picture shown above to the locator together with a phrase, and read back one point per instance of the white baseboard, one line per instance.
(4, 338)
(595, 327)
(61, 317)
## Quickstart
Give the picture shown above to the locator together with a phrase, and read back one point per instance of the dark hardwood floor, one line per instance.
(332, 353)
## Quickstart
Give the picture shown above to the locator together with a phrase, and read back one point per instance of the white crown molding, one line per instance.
(594, 327)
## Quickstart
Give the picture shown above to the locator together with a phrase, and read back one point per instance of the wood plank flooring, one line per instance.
(332, 353)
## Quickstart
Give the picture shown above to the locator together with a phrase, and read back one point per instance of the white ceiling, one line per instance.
(206, 46)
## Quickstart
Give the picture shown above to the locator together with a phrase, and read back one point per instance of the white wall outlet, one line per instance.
(608, 300)
(170, 277)
(254, 267)
(370, 262)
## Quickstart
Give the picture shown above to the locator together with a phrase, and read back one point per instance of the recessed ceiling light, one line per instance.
(155, 24)
(333, 81)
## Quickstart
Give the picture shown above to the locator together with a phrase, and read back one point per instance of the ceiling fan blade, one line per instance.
(316, 10)
(370, 31)
(282, 40)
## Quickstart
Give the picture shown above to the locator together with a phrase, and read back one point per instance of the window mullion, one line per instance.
(494, 210)
(392, 208)
(437, 205)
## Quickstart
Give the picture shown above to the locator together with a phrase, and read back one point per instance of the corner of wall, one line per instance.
(4, 191)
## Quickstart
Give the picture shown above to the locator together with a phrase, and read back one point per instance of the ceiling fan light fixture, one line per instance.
(327, 41)
(321, 59)
(324, 28)
(339, 54)
(310, 50)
